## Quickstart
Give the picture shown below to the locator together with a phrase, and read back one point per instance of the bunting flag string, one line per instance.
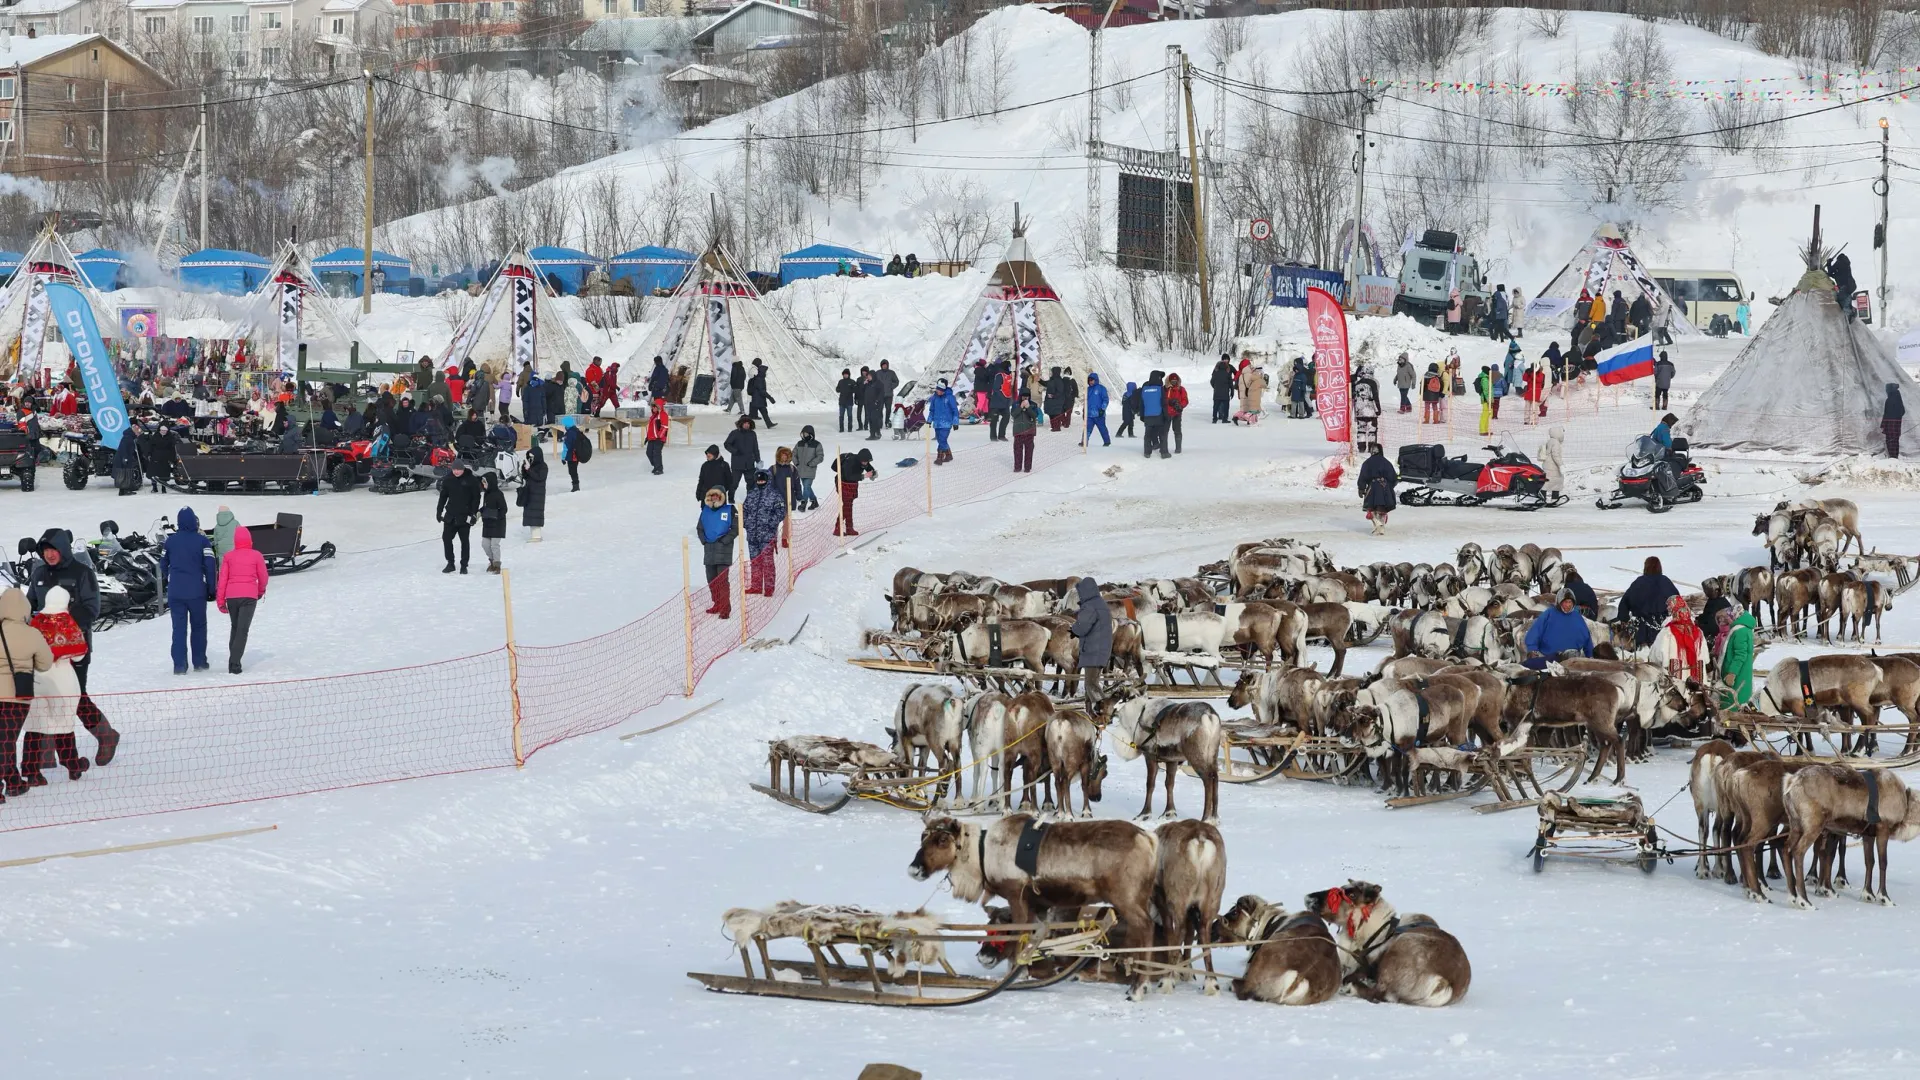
(1827, 88)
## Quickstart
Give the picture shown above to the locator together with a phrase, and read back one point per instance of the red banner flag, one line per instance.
(1328, 326)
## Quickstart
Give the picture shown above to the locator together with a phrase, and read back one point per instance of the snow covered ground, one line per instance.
(540, 922)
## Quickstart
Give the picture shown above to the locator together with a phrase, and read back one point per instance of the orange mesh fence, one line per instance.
(210, 746)
(1601, 422)
(225, 744)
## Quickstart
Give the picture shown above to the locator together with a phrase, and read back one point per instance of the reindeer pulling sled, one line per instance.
(896, 960)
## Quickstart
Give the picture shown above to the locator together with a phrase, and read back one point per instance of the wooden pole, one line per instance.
(788, 526)
(929, 468)
(1199, 203)
(150, 845)
(686, 594)
(744, 620)
(839, 503)
(513, 666)
(366, 220)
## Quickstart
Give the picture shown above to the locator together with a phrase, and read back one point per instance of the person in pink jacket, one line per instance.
(243, 581)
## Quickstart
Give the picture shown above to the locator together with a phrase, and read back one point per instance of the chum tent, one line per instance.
(290, 309)
(1605, 264)
(48, 258)
(235, 273)
(823, 260)
(715, 317)
(1019, 317)
(650, 268)
(1812, 380)
(516, 322)
(342, 267)
(564, 269)
(105, 269)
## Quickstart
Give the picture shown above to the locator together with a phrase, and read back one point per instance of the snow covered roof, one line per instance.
(699, 73)
(639, 36)
(18, 49)
(706, 36)
(43, 7)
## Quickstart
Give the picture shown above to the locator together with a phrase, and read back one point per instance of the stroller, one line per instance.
(912, 419)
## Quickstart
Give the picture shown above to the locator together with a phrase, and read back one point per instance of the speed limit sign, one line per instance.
(1260, 229)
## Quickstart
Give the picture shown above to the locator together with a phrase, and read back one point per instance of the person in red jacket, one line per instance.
(243, 581)
(1176, 405)
(657, 428)
(1534, 391)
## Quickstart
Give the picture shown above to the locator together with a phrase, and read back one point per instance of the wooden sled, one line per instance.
(901, 959)
(1614, 828)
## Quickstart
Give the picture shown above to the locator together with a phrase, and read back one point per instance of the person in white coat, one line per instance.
(56, 694)
(1550, 460)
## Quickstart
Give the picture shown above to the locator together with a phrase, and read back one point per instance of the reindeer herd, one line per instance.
(1805, 541)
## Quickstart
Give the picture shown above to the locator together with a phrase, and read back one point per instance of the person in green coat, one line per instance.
(223, 525)
(1736, 662)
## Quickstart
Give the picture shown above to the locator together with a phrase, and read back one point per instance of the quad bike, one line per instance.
(346, 464)
(1439, 480)
(1657, 476)
(415, 468)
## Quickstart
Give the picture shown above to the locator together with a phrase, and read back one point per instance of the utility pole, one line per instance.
(746, 206)
(203, 170)
(1359, 199)
(1199, 203)
(366, 222)
(1880, 235)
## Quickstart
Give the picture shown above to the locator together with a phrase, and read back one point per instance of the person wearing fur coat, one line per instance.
(56, 695)
(1551, 455)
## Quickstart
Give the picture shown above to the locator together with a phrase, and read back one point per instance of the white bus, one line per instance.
(1702, 294)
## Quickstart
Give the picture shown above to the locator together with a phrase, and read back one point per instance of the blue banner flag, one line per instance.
(75, 318)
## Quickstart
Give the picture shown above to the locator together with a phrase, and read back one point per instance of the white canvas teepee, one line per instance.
(290, 309)
(24, 321)
(1811, 381)
(1604, 265)
(715, 317)
(516, 324)
(1020, 318)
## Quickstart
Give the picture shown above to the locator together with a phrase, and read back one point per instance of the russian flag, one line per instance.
(1625, 363)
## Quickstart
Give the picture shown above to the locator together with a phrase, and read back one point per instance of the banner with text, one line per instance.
(1327, 325)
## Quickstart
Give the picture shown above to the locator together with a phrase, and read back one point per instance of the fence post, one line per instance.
(686, 595)
(787, 528)
(744, 615)
(839, 501)
(928, 430)
(513, 667)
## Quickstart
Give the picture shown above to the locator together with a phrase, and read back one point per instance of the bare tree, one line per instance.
(1630, 156)
(1226, 37)
(1548, 18)
(957, 218)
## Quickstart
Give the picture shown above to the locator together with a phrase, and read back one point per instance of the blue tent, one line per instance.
(104, 269)
(9, 262)
(564, 268)
(823, 260)
(651, 268)
(343, 267)
(236, 273)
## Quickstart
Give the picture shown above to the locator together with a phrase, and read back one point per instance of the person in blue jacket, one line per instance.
(658, 379)
(190, 577)
(1558, 630)
(1663, 431)
(1153, 414)
(1096, 411)
(943, 412)
(719, 524)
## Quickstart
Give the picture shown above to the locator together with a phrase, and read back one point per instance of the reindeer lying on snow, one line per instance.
(1292, 960)
(1065, 865)
(1386, 956)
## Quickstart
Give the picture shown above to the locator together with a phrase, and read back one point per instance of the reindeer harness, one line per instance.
(1026, 850)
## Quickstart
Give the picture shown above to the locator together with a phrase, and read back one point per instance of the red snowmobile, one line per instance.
(1439, 480)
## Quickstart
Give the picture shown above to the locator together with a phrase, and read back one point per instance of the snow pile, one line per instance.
(1866, 471)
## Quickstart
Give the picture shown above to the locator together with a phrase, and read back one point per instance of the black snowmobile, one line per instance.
(1656, 476)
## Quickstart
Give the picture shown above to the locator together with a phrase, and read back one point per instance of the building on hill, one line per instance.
(757, 28)
(55, 92)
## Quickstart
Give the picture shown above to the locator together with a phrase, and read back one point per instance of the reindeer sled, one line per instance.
(799, 766)
(1610, 828)
(866, 957)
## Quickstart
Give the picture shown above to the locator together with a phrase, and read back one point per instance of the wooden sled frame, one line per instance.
(1569, 836)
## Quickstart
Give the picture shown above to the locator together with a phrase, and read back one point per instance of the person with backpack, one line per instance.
(658, 428)
(575, 449)
(1153, 414)
(1483, 386)
(719, 523)
(1433, 391)
(999, 401)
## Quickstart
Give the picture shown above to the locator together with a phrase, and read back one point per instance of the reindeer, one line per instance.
(1021, 640)
(1167, 734)
(1873, 804)
(1291, 960)
(1592, 701)
(1844, 513)
(1864, 602)
(1331, 624)
(1793, 593)
(1820, 538)
(1386, 956)
(1279, 697)
(1025, 747)
(1390, 719)
(1753, 587)
(986, 717)
(1192, 877)
(1709, 810)
(1852, 684)
(928, 720)
(1750, 783)
(1129, 651)
(1073, 749)
(1075, 863)
(1472, 562)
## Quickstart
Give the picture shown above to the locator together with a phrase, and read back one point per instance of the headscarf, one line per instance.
(1686, 637)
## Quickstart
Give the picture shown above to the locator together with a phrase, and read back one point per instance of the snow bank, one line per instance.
(1864, 471)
